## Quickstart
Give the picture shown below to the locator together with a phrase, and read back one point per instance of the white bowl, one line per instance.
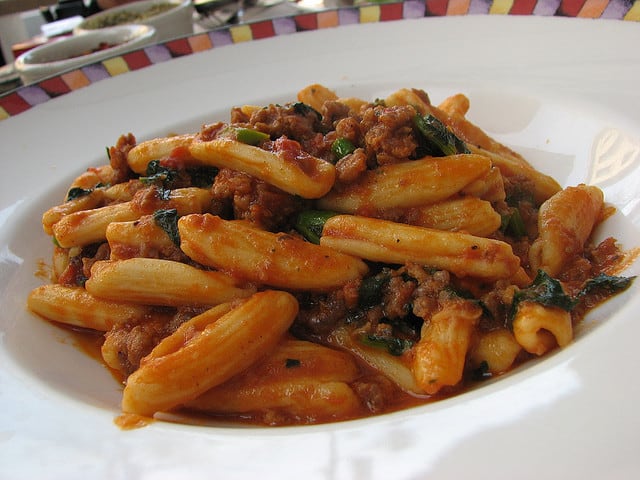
(77, 50)
(172, 23)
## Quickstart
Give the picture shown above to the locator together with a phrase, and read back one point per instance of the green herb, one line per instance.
(395, 346)
(168, 221)
(250, 136)
(548, 291)
(292, 362)
(440, 140)
(544, 290)
(482, 372)
(512, 224)
(202, 177)
(310, 223)
(78, 192)
(607, 284)
(304, 109)
(158, 175)
(370, 291)
(341, 147)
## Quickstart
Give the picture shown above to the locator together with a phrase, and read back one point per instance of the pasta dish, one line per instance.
(323, 260)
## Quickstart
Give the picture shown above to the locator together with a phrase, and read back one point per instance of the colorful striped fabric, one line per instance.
(26, 97)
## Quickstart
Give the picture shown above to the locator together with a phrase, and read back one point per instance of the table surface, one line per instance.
(16, 6)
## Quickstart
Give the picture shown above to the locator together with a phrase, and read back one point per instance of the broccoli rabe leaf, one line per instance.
(440, 141)
(168, 221)
(309, 223)
(606, 284)
(544, 290)
(395, 346)
(548, 291)
(158, 175)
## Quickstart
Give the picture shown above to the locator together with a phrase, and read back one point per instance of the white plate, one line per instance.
(563, 91)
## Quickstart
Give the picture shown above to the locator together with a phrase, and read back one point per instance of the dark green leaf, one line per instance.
(544, 290)
(342, 147)
(158, 175)
(310, 223)
(370, 292)
(607, 284)
(481, 372)
(250, 136)
(292, 362)
(395, 346)
(440, 140)
(304, 109)
(168, 221)
(78, 192)
(512, 224)
(202, 177)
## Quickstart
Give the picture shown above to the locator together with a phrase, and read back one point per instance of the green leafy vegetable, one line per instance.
(310, 223)
(395, 346)
(292, 363)
(202, 177)
(482, 372)
(512, 224)
(544, 290)
(370, 290)
(78, 192)
(607, 284)
(304, 109)
(548, 291)
(440, 140)
(168, 221)
(158, 175)
(341, 147)
(250, 136)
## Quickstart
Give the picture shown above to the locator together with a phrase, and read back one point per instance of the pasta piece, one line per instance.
(407, 184)
(539, 328)
(307, 401)
(290, 168)
(60, 262)
(249, 110)
(439, 356)
(139, 238)
(489, 188)
(391, 366)
(457, 104)
(467, 214)
(498, 349)
(208, 350)
(76, 307)
(139, 156)
(565, 222)
(90, 226)
(298, 379)
(55, 214)
(390, 242)
(92, 177)
(542, 186)
(274, 259)
(450, 112)
(418, 99)
(296, 360)
(354, 103)
(149, 281)
(315, 95)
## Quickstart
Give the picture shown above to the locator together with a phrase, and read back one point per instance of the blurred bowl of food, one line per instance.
(67, 53)
(170, 18)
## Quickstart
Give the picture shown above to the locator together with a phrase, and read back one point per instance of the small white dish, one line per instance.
(77, 50)
(174, 22)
